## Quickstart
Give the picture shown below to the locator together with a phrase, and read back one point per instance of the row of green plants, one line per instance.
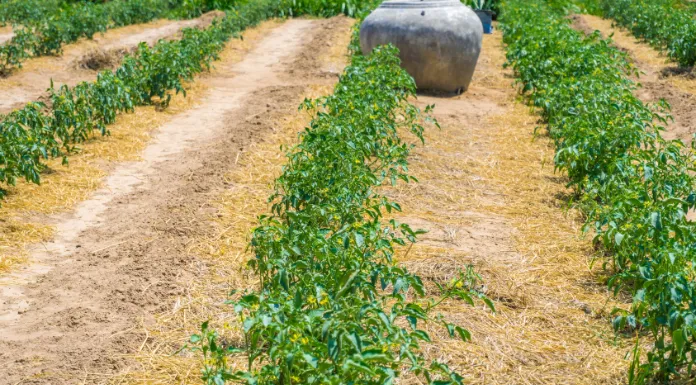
(27, 11)
(41, 130)
(668, 25)
(328, 8)
(47, 27)
(31, 12)
(331, 306)
(634, 186)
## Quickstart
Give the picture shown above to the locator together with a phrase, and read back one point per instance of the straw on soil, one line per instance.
(97, 59)
(223, 251)
(224, 254)
(25, 209)
(489, 197)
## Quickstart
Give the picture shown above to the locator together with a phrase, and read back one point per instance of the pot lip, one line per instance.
(421, 4)
(488, 11)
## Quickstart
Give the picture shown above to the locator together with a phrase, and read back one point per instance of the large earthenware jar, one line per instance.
(439, 40)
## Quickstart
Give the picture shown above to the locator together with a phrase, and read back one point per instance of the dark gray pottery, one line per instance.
(439, 40)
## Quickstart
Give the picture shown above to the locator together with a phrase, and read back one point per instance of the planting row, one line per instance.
(668, 25)
(39, 131)
(332, 307)
(42, 130)
(27, 11)
(46, 28)
(634, 186)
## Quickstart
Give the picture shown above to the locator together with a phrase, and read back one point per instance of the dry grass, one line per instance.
(489, 197)
(97, 59)
(24, 211)
(223, 252)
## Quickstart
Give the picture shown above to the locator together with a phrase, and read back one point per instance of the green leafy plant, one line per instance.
(38, 131)
(634, 186)
(481, 4)
(332, 306)
(668, 25)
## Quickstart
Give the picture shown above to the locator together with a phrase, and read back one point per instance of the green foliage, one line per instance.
(493, 5)
(45, 33)
(27, 11)
(333, 307)
(148, 76)
(328, 8)
(668, 25)
(634, 186)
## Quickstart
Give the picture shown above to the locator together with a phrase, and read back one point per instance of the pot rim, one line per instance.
(407, 4)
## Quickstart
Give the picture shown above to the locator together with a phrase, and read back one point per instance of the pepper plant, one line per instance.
(332, 306)
(634, 186)
(38, 131)
(668, 25)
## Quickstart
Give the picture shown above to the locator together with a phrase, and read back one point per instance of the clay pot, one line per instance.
(439, 40)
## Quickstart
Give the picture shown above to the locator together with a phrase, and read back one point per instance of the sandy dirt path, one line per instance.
(660, 78)
(5, 34)
(488, 196)
(123, 255)
(30, 82)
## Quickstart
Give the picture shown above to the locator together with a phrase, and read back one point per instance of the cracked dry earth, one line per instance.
(73, 315)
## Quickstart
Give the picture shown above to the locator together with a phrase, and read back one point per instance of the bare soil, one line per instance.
(5, 34)
(124, 254)
(78, 64)
(658, 75)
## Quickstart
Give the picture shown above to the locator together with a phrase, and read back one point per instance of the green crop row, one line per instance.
(38, 131)
(47, 26)
(634, 186)
(333, 307)
(328, 8)
(665, 24)
(27, 11)
(46, 29)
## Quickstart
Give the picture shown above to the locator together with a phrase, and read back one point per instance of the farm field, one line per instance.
(660, 78)
(170, 216)
(43, 27)
(81, 61)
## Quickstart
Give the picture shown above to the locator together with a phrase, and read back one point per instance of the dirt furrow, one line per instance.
(5, 34)
(488, 196)
(81, 61)
(660, 79)
(124, 254)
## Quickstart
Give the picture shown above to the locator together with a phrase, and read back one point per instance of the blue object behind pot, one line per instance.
(486, 19)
